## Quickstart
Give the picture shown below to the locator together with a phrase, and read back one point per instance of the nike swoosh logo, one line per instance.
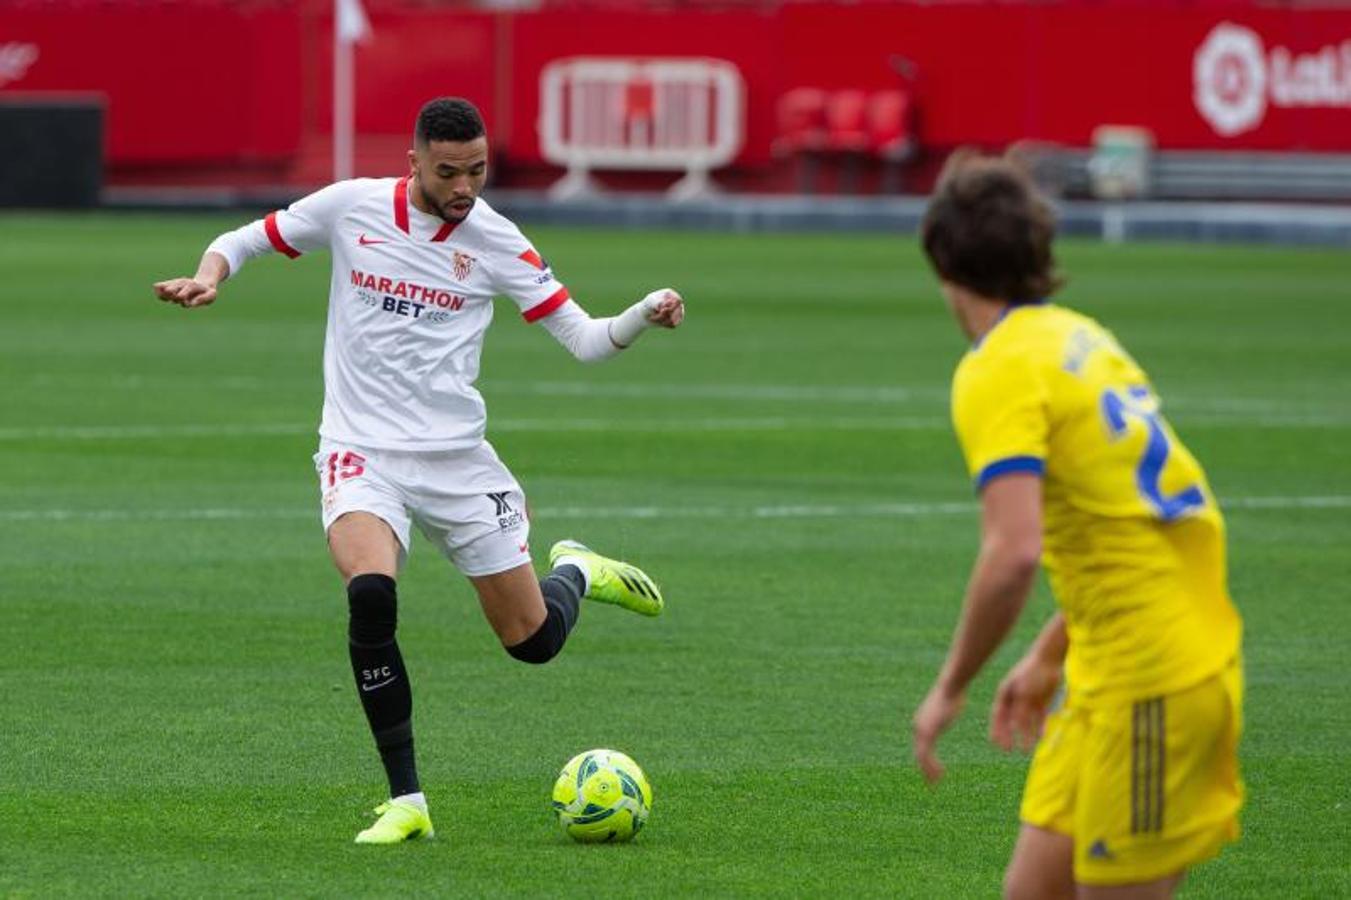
(366, 242)
(371, 687)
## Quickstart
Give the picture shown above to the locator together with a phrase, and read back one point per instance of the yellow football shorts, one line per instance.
(1146, 789)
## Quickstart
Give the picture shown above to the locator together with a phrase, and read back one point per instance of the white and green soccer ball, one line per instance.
(602, 795)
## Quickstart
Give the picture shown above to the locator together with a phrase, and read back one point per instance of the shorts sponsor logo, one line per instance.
(1235, 78)
(1099, 850)
(507, 517)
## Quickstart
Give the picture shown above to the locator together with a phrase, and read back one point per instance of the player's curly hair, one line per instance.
(448, 119)
(990, 230)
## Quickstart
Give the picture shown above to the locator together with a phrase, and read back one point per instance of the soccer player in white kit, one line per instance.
(416, 263)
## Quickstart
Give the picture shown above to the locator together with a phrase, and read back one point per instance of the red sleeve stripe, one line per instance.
(540, 310)
(274, 235)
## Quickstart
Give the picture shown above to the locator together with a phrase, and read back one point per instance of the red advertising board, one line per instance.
(183, 84)
(221, 83)
(1216, 76)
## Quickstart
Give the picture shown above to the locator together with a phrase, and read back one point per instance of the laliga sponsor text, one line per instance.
(1235, 78)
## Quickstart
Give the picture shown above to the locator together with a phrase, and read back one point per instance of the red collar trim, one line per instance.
(401, 212)
(401, 204)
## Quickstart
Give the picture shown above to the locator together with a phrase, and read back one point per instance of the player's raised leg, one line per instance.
(532, 617)
(366, 553)
(609, 580)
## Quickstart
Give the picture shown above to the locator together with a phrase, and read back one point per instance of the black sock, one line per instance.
(562, 589)
(382, 680)
(396, 754)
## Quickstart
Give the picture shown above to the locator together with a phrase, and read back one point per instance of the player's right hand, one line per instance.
(186, 292)
(1020, 704)
(938, 711)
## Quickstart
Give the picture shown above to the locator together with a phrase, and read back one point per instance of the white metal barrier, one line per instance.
(651, 114)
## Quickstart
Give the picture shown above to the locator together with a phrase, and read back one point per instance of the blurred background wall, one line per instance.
(203, 92)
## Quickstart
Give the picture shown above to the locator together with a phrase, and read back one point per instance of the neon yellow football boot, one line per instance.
(613, 581)
(399, 821)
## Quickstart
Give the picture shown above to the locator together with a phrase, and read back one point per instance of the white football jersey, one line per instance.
(410, 300)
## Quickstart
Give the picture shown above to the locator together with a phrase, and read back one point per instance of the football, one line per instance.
(602, 796)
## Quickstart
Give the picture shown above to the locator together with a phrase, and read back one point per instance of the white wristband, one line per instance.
(632, 322)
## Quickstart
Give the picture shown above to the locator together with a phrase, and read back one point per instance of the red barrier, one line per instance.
(750, 40)
(211, 83)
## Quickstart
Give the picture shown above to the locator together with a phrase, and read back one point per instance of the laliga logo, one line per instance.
(1229, 79)
(1233, 79)
(15, 58)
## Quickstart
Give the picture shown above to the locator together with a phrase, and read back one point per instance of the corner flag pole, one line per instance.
(349, 26)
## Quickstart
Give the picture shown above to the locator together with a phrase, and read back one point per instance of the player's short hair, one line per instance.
(448, 119)
(990, 230)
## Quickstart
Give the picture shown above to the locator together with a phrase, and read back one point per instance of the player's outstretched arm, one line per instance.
(200, 289)
(592, 340)
(304, 225)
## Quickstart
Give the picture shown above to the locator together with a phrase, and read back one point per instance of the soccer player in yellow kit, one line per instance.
(1135, 777)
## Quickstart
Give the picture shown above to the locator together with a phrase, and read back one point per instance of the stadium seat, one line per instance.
(891, 134)
(847, 121)
(847, 134)
(801, 114)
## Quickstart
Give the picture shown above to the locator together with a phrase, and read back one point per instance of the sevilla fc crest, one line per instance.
(463, 264)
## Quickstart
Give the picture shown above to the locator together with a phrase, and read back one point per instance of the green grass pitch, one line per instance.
(178, 714)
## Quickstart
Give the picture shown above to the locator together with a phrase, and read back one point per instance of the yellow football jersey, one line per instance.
(1132, 539)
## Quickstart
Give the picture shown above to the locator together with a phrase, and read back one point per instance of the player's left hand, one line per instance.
(939, 710)
(1020, 704)
(665, 308)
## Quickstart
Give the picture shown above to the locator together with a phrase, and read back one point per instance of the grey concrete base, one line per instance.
(1267, 223)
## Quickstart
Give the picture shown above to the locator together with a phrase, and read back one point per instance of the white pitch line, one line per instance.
(773, 511)
(1271, 422)
(683, 390)
(122, 432)
(1332, 501)
(844, 393)
(674, 425)
(729, 423)
(562, 425)
(1267, 412)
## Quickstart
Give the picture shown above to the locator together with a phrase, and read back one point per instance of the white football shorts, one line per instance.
(465, 501)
